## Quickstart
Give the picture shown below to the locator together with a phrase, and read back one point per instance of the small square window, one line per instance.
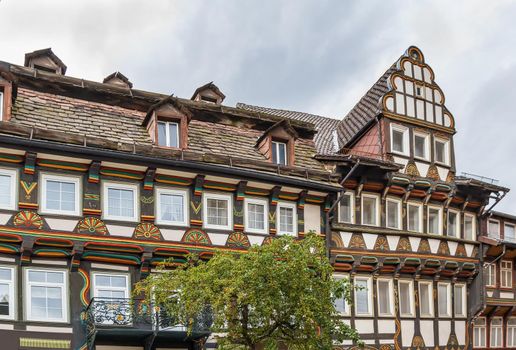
(286, 218)
(399, 139)
(60, 194)
(218, 211)
(46, 295)
(256, 214)
(347, 208)
(171, 206)
(8, 193)
(421, 146)
(279, 153)
(168, 134)
(120, 201)
(442, 152)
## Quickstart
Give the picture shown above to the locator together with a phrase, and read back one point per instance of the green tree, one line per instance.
(278, 295)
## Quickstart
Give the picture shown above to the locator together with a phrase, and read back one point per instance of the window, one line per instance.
(434, 220)
(60, 194)
(469, 227)
(347, 208)
(370, 212)
(399, 139)
(363, 296)
(415, 217)
(8, 193)
(442, 153)
(341, 305)
(393, 213)
(479, 333)
(110, 286)
(256, 214)
(171, 206)
(459, 300)
(444, 298)
(506, 274)
(509, 234)
(453, 223)
(511, 332)
(1, 105)
(421, 146)
(120, 201)
(426, 301)
(385, 297)
(7, 296)
(279, 153)
(46, 295)
(406, 296)
(286, 218)
(491, 275)
(493, 229)
(168, 134)
(496, 332)
(218, 211)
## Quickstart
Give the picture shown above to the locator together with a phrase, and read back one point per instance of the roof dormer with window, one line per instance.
(46, 61)
(277, 143)
(208, 93)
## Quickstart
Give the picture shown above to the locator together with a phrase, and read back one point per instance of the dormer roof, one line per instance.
(46, 60)
(118, 79)
(208, 93)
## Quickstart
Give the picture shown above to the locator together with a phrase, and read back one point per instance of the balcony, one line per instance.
(136, 322)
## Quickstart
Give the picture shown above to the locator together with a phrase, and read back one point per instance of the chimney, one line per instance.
(208, 93)
(118, 79)
(45, 60)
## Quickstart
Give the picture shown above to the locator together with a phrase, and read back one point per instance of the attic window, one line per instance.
(279, 153)
(44, 69)
(415, 55)
(168, 134)
(208, 99)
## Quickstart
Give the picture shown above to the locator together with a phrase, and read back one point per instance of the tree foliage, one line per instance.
(281, 293)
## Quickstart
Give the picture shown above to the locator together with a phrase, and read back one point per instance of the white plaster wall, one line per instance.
(117, 230)
(460, 331)
(369, 240)
(507, 295)
(444, 332)
(386, 326)
(258, 240)
(346, 237)
(407, 332)
(443, 172)
(4, 218)
(218, 238)
(434, 245)
(62, 224)
(393, 241)
(453, 247)
(364, 326)
(422, 168)
(414, 243)
(312, 218)
(469, 249)
(427, 331)
(172, 235)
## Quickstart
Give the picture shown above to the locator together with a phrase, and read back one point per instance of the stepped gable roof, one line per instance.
(325, 127)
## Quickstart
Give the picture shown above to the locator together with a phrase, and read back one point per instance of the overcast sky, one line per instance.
(314, 56)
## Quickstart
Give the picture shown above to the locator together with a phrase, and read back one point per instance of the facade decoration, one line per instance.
(92, 225)
(196, 236)
(238, 240)
(28, 219)
(147, 231)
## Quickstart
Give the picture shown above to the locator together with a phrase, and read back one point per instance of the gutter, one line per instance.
(327, 223)
(101, 154)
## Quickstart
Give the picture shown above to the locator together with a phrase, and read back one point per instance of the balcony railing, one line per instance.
(106, 317)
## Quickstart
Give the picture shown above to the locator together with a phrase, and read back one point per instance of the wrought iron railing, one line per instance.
(480, 178)
(108, 314)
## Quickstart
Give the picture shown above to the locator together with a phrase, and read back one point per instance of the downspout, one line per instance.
(497, 200)
(334, 205)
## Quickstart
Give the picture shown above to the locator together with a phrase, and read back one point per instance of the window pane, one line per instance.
(397, 141)
(509, 233)
(5, 274)
(468, 227)
(256, 216)
(458, 308)
(286, 219)
(392, 214)
(369, 210)
(279, 153)
(443, 300)
(37, 276)
(5, 190)
(120, 202)
(420, 146)
(162, 136)
(171, 207)
(433, 220)
(440, 152)
(361, 295)
(452, 224)
(384, 300)
(425, 296)
(494, 229)
(173, 135)
(345, 209)
(217, 212)
(413, 218)
(405, 298)
(60, 195)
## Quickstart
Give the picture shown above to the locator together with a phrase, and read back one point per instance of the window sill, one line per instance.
(60, 215)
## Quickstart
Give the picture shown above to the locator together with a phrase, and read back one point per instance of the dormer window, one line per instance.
(279, 153)
(209, 93)
(208, 99)
(168, 134)
(45, 61)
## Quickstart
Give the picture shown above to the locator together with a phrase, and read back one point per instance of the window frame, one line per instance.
(448, 299)
(391, 296)
(491, 274)
(473, 226)
(377, 208)
(440, 209)
(218, 196)
(174, 192)
(120, 186)
(351, 195)
(420, 216)
(94, 286)
(65, 289)
(499, 327)
(293, 206)
(398, 204)
(513, 338)
(427, 145)
(463, 300)
(505, 232)
(446, 143)
(481, 328)
(259, 201)
(405, 131)
(2, 95)
(411, 301)
(457, 223)
(167, 133)
(369, 281)
(347, 306)
(489, 234)
(275, 148)
(508, 271)
(76, 180)
(13, 197)
(430, 300)
(13, 298)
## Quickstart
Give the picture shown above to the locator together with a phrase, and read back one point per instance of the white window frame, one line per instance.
(369, 281)
(174, 192)
(505, 234)
(457, 223)
(491, 275)
(259, 201)
(95, 287)
(511, 339)
(377, 205)
(347, 306)
(76, 180)
(430, 286)
(1, 105)
(106, 185)
(507, 269)
(398, 204)
(440, 209)
(167, 133)
(420, 214)
(351, 195)
(411, 301)
(499, 343)
(275, 148)
(448, 299)
(64, 290)
(446, 150)
(13, 196)
(12, 290)
(405, 132)
(427, 145)
(482, 328)
(391, 296)
(463, 299)
(489, 233)
(218, 196)
(473, 226)
(293, 206)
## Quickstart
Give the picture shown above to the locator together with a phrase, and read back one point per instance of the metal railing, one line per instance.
(480, 178)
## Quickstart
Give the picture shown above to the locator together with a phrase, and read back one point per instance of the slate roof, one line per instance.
(324, 139)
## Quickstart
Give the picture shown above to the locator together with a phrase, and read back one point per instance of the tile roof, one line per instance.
(324, 139)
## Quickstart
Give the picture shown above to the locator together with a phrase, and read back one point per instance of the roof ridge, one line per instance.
(241, 105)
